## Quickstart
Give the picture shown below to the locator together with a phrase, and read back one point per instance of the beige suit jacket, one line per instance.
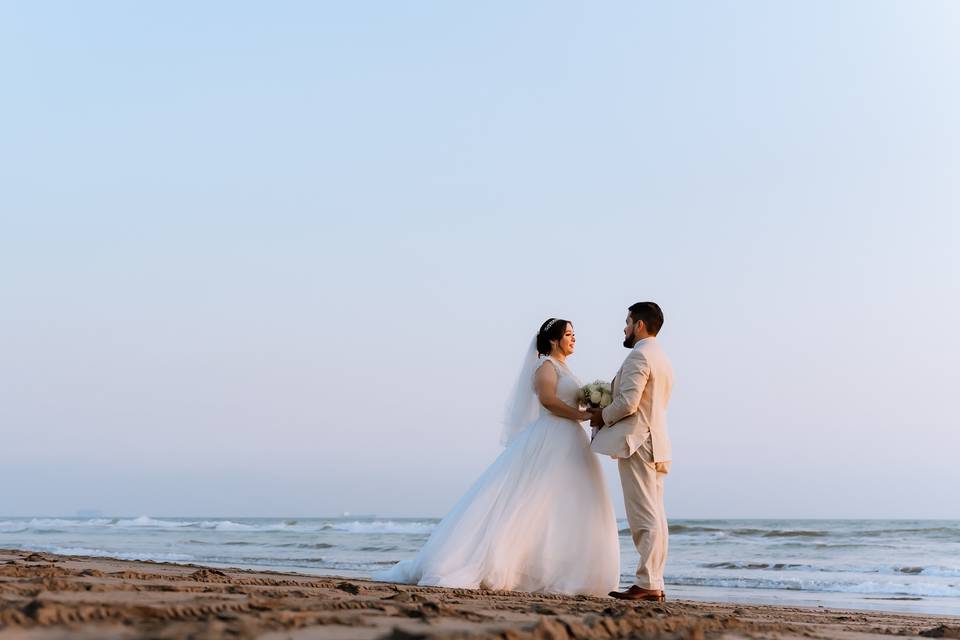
(641, 392)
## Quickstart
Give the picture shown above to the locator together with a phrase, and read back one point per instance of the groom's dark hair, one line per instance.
(651, 315)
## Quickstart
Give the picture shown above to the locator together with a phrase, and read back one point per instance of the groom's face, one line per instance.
(630, 333)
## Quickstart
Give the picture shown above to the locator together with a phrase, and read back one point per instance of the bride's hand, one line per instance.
(585, 415)
(595, 417)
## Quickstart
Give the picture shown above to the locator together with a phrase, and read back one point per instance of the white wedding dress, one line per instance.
(538, 519)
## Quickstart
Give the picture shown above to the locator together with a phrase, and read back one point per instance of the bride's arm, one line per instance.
(545, 382)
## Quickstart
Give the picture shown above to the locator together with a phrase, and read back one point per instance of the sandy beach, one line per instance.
(51, 596)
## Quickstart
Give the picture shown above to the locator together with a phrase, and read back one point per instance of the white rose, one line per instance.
(595, 396)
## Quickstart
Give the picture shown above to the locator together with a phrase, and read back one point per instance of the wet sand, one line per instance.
(52, 597)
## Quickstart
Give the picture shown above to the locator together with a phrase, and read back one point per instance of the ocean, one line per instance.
(893, 565)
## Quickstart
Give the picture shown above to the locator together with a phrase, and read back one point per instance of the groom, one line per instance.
(634, 430)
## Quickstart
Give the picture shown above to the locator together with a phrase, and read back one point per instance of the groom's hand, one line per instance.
(596, 420)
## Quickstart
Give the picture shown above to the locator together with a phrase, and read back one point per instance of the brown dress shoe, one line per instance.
(636, 593)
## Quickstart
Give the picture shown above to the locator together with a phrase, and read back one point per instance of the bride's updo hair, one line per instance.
(552, 329)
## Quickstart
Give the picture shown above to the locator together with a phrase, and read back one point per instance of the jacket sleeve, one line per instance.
(633, 378)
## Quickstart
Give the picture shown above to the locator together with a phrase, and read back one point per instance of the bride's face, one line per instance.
(567, 341)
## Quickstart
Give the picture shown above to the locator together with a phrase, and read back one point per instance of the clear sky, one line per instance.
(282, 258)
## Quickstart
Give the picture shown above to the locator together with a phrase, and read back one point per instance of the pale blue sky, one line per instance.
(280, 259)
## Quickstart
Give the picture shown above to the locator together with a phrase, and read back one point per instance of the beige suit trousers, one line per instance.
(642, 482)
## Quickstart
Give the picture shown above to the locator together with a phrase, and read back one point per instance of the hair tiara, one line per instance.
(552, 322)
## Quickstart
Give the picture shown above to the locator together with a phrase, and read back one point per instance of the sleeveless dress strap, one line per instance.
(547, 359)
(560, 369)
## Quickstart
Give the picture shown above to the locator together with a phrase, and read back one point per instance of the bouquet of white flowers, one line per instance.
(596, 395)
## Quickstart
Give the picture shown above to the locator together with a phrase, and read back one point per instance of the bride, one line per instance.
(539, 518)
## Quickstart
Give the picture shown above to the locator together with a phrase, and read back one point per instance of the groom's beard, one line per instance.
(629, 342)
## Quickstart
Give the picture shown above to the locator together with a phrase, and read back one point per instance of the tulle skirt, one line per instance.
(538, 519)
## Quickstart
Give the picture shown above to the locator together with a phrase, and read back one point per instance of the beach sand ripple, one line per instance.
(49, 596)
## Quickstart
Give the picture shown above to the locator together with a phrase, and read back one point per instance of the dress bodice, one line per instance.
(568, 385)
